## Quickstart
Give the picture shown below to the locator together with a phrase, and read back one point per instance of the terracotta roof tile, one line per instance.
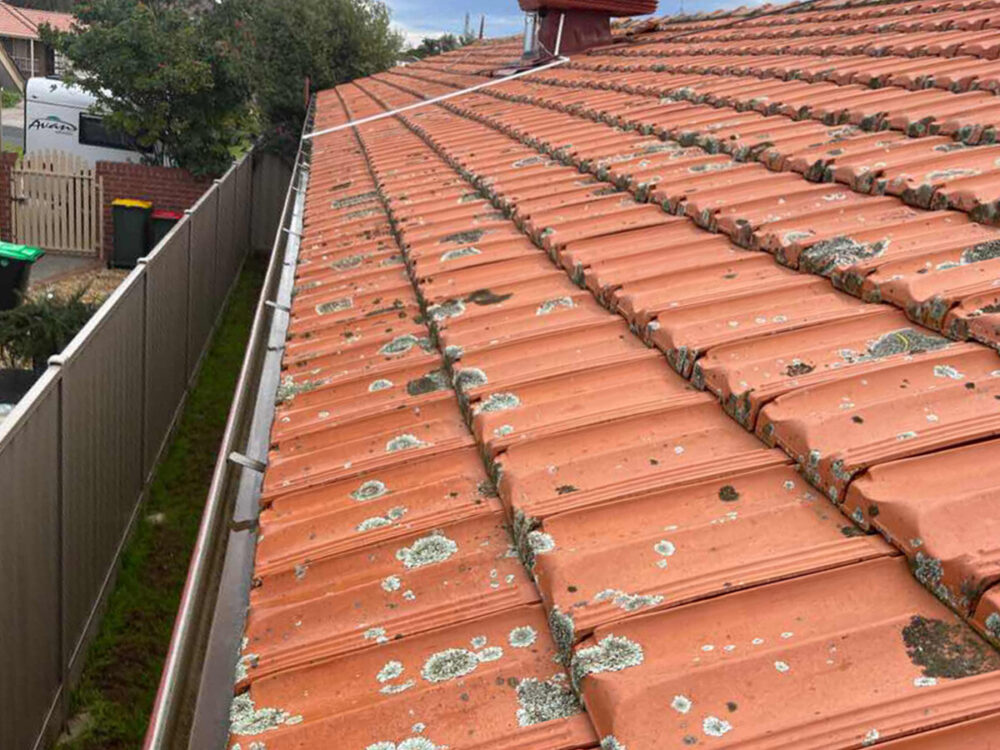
(24, 22)
(750, 373)
(981, 733)
(325, 518)
(936, 399)
(591, 465)
(58, 21)
(414, 584)
(565, 317)
(709, 672)
(673, 546)
(946, 528)
(422, 687)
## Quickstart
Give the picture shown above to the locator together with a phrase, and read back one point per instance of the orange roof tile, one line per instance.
(666, 377)
(14, 23)
(23, 23)
(58, 21)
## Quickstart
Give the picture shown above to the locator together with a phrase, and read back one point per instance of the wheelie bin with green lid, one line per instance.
(15, 265)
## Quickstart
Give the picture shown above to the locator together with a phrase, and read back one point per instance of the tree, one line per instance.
(196, 81)
(324, 42)
(435, 46)
(176, 80)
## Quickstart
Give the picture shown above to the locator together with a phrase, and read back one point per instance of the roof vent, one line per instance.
(563, 27)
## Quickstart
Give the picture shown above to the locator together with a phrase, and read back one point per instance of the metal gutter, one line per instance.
(230, 507)
(210, 725)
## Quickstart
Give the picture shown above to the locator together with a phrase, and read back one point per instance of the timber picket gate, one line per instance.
(56, 203)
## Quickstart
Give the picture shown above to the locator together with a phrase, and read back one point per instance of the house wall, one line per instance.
(168, 188)
(20, 52)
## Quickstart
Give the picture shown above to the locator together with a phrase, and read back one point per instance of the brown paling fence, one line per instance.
(78, 452)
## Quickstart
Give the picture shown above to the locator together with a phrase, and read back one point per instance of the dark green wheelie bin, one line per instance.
(163, 222)
(131, 219)
(15, 265)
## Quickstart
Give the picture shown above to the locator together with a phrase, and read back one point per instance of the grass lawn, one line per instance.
(111, 705)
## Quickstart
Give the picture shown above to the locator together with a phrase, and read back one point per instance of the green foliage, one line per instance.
(10, 98)
(435, 46)
(196, 86)
(326, 42)
(175, 79)
(38, 328)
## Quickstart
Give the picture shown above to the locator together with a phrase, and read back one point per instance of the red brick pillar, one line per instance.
(7, 161)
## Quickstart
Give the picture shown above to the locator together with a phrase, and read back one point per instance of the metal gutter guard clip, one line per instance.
(246, 462)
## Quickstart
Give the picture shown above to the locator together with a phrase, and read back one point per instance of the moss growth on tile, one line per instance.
(948, 650)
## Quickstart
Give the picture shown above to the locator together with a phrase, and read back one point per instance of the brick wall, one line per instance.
(167, 188)
(7, 160)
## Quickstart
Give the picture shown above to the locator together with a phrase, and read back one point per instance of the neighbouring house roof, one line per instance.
(648, 401)
(58, 21)
(23, 23)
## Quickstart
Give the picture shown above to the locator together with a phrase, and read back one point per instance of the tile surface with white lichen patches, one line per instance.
(940, 510)
(673, 546)
(380, 528)
(516, 314)
(384, 591)
(902, 659)
(838, 429)
(366, 443)
(323, 521)
(521, 697)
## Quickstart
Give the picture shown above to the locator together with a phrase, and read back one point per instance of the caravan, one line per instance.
(58, 117)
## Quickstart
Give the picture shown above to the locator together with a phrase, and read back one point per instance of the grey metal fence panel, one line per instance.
(202, 301)
(226, 254)
(77, 453)
(269, 175)
(102, 409)
(29, 559)
(244, 195)
(166, 338)
(239, 216)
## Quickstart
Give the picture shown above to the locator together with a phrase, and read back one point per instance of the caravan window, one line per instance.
(93, 133)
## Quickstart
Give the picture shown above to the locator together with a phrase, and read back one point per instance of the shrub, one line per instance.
(41, 327)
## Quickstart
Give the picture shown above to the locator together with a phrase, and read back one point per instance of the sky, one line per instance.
(420, 18)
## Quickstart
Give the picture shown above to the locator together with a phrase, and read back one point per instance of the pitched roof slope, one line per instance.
(55, 19)
(646, 401)
(14, 23)
(24, 22)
